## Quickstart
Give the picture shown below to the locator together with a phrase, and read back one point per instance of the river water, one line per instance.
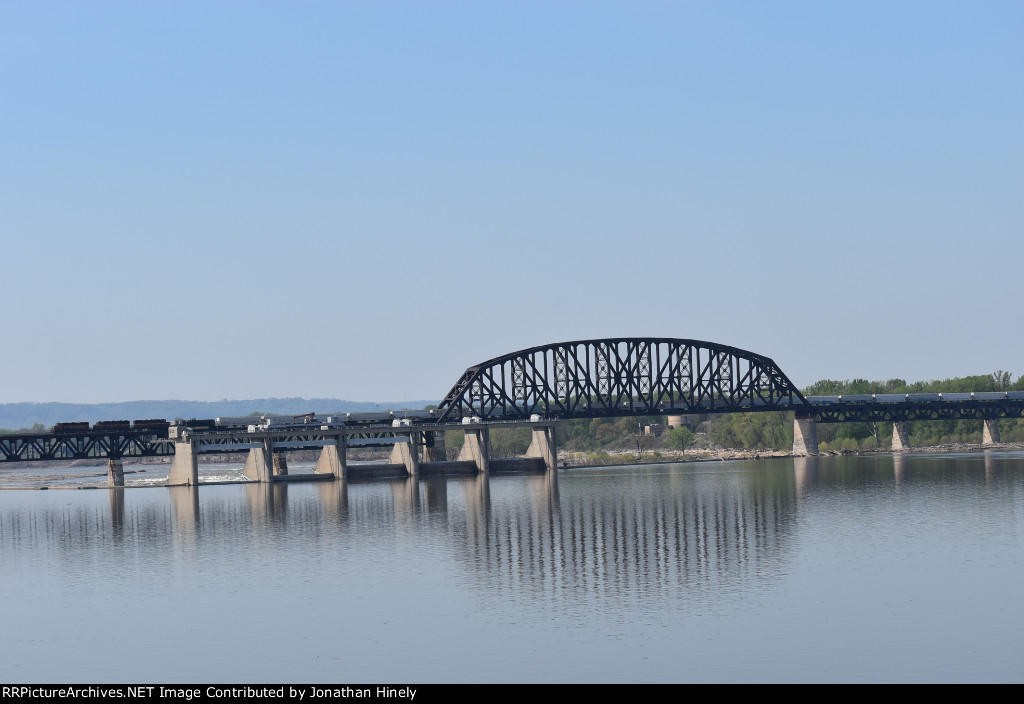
(832, 569)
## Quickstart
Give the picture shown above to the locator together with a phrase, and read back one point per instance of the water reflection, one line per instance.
(821, 567)
(805, 471)
(607, 531)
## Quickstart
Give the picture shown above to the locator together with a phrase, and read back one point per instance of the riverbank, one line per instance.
(629, 457)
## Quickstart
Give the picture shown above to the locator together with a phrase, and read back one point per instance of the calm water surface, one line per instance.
(849, 569)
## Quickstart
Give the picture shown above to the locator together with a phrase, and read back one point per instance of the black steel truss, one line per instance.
(913, 410)
(94, 444)
(620, 377)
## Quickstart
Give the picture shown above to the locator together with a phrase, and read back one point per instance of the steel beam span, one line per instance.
(88, 445)
(617, 377)
(901, 412)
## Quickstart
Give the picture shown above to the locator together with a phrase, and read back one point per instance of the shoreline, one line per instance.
(578, 460)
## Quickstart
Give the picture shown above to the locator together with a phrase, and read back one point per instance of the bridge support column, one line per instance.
(543, 445)
(900, 437)
(477, 449)
(280, 464)
(408, 453)
(805, 437)
(434, 450)
(115, 473)
(333, 460)
(259, 465)
(990, 431)
(185, 465)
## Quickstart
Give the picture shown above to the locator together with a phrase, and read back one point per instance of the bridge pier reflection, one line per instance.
(334, 498)
(185, 504)
(806, 471)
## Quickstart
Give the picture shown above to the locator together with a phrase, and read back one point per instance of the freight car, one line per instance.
(70, 428)
(155, 425)
(106, 425)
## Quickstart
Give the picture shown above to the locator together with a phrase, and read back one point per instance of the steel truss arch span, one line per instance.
(620, 377)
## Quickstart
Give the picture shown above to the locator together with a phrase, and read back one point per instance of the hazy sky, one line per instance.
(206, 200)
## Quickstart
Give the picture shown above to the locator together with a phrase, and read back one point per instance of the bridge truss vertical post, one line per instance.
(805, 437)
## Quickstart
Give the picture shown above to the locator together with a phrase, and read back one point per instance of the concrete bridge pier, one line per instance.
(477, 449)
(433, 446)
(185, 464)
(805, 437)
(900, 437)
(280, 464)
(333, 460)
(543, 445)
(259, 465)
(990, 431)
(115, 472)
(408, 453)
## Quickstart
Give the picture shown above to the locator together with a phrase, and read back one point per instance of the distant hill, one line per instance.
(15, 416)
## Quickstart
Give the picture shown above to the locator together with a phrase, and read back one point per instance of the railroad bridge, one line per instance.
(534, 387)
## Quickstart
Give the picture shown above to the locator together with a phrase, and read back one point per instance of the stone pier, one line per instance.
(477, 449)
(280, 464)
(185, 464)
(259, 465)
(900, 437)
(990, 432)
(433, 447)
(115, 473)
(407, 453)
(543, 445)
(333, 460)
(805, 437)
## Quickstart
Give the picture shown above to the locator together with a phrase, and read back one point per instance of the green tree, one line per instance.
(679, 438)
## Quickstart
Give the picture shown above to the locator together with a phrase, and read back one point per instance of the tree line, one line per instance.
(773, 430)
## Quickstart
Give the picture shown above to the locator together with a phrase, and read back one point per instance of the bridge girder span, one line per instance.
(620, 377)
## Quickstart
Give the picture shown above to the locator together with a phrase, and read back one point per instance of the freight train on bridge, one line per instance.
(534, 387)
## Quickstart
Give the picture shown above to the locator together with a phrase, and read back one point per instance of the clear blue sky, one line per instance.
(206, 200)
